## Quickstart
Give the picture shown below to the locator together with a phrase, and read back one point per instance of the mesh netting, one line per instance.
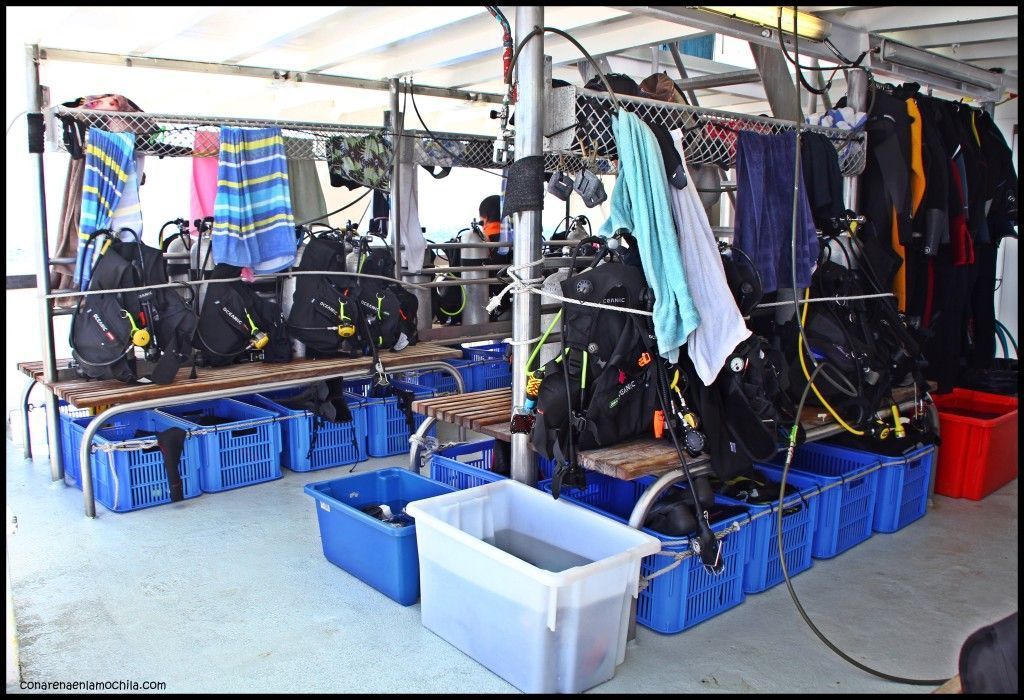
(709, 135)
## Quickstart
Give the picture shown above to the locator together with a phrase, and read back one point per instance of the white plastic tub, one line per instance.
(551, 617)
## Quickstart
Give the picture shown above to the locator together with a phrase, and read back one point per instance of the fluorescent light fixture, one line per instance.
(936, 64)
(808, 26)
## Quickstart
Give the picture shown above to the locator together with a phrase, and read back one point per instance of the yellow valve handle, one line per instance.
(900, 430)
(140, 336)
(346, 330)
(259, 338)
(690, 419)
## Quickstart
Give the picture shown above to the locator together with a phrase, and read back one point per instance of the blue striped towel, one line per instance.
(253, 224)
(109, 167)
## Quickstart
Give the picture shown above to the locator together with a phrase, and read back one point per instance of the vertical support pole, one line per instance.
(778, 83)
(43, 268)
(857, 100)
(396, 120)
(678, 59)
(529, 142)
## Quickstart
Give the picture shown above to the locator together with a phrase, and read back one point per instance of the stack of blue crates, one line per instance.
(130, 479)
(464, 466)
(687, 594)
(387, 430)
(492, 369)
(336, 444)
(243, 451)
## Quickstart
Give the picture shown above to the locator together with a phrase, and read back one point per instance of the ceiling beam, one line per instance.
(610, 37)
(985, 49)
(883, 19)
(930, 37)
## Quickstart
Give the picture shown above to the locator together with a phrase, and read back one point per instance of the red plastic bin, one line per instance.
(979, 443)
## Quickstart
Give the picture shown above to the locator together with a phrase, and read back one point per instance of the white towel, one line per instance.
(721, 326)
(411, 231)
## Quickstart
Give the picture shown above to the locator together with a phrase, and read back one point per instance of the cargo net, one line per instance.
(709, 136)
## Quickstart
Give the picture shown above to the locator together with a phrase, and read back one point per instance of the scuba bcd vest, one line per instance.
(133, 335)
(864, 341)
(237, 324)
(325, 314)
(601, 390)
(387, 310)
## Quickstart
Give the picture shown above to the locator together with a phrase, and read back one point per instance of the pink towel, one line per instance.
(204, 174)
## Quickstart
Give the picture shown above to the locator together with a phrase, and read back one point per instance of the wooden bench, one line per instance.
(489, 413)
(210, 383)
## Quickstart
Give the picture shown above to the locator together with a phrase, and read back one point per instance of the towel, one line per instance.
(764, 210)
(412, 232)
(308, 202)
(640, 203)
(204, 176)
(253, 224)
(721, 326)
(109, 162)
(128, 213)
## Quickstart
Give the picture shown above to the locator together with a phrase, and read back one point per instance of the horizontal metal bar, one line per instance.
(21, 281)
(725, 187)
(294, 76)
(62, 261)
(464, 268)
(705, 82)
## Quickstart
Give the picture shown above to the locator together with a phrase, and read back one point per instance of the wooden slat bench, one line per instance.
(211, 383)
(489, 413)
(89, 393)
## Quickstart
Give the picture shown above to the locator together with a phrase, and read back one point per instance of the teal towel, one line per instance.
(640, 203)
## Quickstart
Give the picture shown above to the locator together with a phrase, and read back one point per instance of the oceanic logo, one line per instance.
(584, 287)
(626, 388)
(230, 314)
(327, 306)
(99, 322)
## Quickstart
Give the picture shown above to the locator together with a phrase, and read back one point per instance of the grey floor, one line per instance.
(230, 592)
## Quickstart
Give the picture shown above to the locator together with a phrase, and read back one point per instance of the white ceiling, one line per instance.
(441, 46)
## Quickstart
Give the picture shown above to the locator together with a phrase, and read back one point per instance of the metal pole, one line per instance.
(396, 124)
(85, 449)
(526, 245)
(857, 100)
(43, 274)
(678, 58)
(25, 414)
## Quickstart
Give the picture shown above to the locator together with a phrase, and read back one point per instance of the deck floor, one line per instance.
(230, 592)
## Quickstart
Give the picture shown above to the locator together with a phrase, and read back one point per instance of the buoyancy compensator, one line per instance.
(236, 324)
(600, 390)
(143, 334)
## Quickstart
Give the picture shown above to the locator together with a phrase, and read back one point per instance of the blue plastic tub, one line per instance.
(464, 466)
(902, 491)
(379, 554)
(337, 444)
(846, 505)
(387, 432)
(444, 383)
(799, 518)
(126, 480)
(685, 595)
(234, 454)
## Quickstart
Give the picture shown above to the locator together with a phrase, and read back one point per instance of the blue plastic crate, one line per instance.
(846, 505)
(442, 382)
(687, 594)
(72, 467)
(799, 517)
(902, 491)
(126, 480)
(492, 373)
(485, 350)
(387, 432)
(464, 466)
(337, 444)
(379, 554)
(234, 454)
(545, 467)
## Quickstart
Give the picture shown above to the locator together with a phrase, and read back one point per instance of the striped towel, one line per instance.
(109, 166)
(253, 224)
